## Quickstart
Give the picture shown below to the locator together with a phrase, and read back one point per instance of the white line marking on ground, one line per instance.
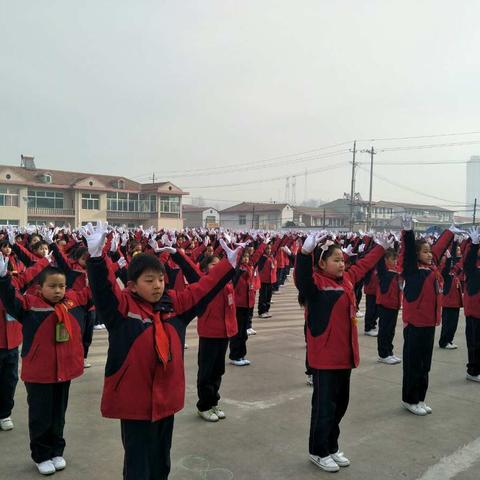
(450, 466)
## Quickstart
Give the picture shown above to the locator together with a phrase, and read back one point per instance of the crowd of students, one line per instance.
(145, 286)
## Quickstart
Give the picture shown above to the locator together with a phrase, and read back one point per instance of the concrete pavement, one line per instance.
(265, 435)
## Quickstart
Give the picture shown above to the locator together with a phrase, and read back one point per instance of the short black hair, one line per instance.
(79, 252)
(4, 243)
(48, 272)
(38, 244)
(391, 253)
(141, 263)
(207, 261)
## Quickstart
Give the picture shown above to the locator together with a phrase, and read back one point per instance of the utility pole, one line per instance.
(253, 215)
(153, 178)
(474, 211)
(306, 186)
(352, 189)
(324, 220)
(369, 218)
(294, 190)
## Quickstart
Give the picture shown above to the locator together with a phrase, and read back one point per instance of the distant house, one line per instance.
(206, 217)
(320, 217)
(39, 196)
(265, 216)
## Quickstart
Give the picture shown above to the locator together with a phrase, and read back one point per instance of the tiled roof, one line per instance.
(259, 207)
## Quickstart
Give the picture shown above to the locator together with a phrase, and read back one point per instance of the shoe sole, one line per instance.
(207, 420)
(418, 414)
(322, 467)
(473, 380)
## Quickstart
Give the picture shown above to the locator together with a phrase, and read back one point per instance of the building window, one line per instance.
(9, 197)
(90, 201)
(45, 199)
(210, 220)
(131, 202)
(169, 204)
(242, 219)
(11, 223)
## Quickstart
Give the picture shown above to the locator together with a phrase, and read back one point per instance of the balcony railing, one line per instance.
(131, 215)
(50, 212)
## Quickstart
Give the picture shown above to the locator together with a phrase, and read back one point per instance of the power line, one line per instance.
(264, 180)
(416, 137)
(404, 187)
(433, 145)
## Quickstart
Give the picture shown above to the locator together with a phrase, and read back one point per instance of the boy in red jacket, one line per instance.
(144, 376)
(52, 355)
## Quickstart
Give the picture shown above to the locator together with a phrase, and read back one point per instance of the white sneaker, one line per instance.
(246, 361)
(389, 360)
(219, 412)
(103, 326)
(310, 380)
(360, 314)
(451, 346)
(372, 333)
(416, 409)
(6, 424)
(46, 468)
(97, 327)
(86, 364)
(425, 407)
(473, 378)
(340, 459)
(327, 464)
(264, 315)
(59, 463)
(238, 363)
(185, 346)
(208, 415)
(398, 358)
(251, 331)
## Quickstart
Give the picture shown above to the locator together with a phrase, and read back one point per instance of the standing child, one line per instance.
(144, 376)
(422, 302)
(332, 338)
(472, 305)
(52, 356)
(389, 299)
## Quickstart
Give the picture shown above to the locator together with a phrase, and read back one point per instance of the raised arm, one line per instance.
(13, 302)
(441, 245)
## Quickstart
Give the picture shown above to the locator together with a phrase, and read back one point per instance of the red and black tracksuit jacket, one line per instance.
(472, 282)
(452, 286)
(389, 292)
(422, 292)
(138, 386)
(43, 359)
(330, 310)
(10, 328)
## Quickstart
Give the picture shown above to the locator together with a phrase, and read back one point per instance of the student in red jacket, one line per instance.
(371, 312)
(144, 376)
(244, 283)
(422, 302)
(267, 268)
(215, 326)
(452, 296)
(389, 300)
(52, 356)
(472, 305)
(332, 338)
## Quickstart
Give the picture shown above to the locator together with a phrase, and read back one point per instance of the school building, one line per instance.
(204, 217)
(31, 195)
(264, 216)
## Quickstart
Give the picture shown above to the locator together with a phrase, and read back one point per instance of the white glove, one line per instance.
(311, 242)
(114, 243)
(206, 241)
(125, 239)
(169, 250)
(154, 244)
(227, 237)
(455, 229)
(384, 241)
(48, 236)
(348, 251)
(361, 248)
(475, 235)
(122, 262)
(11, 237)
(232, 255)
(3, 265)
(407, 222)
(49, 257)
(287, 250)
(166, 241)
(448, 254)
(96, 238)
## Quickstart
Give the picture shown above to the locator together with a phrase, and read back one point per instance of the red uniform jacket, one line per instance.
(43, 359)
(137, 385)
(10, 329)
(472, 283)
(452, 286)
(332, 336)
(371, 283)
(422, 293)
(389, 293)
(267, 268)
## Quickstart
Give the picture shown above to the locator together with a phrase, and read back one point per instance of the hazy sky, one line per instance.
(135, 86)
